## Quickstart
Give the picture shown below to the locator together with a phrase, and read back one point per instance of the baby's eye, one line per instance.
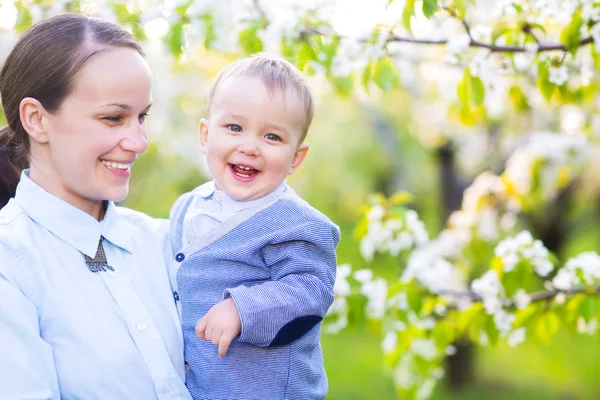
(142, 117)
(272, 136)
(234, 128)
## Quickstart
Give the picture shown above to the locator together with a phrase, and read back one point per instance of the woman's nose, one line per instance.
(136, 140)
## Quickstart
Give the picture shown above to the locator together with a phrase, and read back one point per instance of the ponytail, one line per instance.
(13, 159)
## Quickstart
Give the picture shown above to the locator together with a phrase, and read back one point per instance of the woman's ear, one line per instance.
(203, 130)
(34, 119)
(299, 156)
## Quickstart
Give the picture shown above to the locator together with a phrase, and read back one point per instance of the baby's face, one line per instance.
(252, 141)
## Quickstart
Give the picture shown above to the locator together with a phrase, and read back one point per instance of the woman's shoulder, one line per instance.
(141, 221)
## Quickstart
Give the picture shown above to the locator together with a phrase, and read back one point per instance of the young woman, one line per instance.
(86, 307)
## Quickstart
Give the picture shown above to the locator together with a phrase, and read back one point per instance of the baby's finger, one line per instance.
(216, 336)
(201, 328)
(208, 333)
(224, 343)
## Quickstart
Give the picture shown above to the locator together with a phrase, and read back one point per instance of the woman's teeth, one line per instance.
(115, 165)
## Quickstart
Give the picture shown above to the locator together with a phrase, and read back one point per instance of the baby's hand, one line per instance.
(220, 325)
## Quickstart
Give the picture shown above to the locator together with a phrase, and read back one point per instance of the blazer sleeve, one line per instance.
(27, 369)
(303, 264)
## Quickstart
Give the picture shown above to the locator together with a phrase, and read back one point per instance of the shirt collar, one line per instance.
(208, 191)
(69, 223)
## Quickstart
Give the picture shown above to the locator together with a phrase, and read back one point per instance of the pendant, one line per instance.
(98, 263)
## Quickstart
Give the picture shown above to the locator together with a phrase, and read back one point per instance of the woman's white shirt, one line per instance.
(66, 332)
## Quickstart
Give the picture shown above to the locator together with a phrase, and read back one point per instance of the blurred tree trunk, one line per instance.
(550, 226)
(460, 366)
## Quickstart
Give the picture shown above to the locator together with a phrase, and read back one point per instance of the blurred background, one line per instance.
(398, 130)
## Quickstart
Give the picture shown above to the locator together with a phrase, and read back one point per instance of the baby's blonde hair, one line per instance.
(276, 73)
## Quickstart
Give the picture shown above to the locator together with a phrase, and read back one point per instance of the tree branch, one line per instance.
(537, 296)
(492, 47)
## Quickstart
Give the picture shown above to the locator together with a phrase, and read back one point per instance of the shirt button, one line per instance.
(180, 257)
(141, 327)
(167, 387)
(111, 273)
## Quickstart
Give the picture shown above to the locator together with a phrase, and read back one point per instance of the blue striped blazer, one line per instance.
(277, 261)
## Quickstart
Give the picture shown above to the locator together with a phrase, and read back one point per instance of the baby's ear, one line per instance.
(203, 130)
(298, 157)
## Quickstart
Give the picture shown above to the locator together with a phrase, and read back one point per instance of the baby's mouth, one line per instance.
(243, 170)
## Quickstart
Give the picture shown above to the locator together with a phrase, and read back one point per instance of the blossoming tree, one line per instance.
(518, 76)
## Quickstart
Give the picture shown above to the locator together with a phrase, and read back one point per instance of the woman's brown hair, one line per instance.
(43, 65)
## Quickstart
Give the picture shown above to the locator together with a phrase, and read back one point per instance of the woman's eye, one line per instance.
(234, 128)
(113, 119)
(272, 136)
(142, 117)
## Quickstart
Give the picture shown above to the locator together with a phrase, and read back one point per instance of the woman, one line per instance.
(86, 307)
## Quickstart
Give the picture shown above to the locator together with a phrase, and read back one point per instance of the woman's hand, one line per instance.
(220, 325)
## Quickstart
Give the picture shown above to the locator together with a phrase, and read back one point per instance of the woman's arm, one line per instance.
(27, 369)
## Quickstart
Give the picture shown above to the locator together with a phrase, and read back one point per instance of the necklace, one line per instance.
(98, 263)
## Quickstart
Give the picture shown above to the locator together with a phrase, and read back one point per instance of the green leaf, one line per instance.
(547, 327)
(466, 115)
(478, 90)
(546, 87)
(361, 228)
(461, 8)
(209, 30)
(407, 13)
(175, 39)
(470, 89)
(306, 54)
(429, 7)
(498, 265)
(492, 330)
(343, 85)
(588, 308)
(401, 198)
(287, 49)
(465, 319)
(522, 317)
(571, 34)
(518, 98)
(385, 74)
(464, 88)
(249, 41)
(24, 18)
(444, 334)
(595, 56)
(367, 75)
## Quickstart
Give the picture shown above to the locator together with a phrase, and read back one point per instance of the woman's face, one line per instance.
(97, 133)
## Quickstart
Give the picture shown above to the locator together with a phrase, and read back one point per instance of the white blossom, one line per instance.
(425, 348)
(376, 293)
(389, 343)
(458, 44)
(425, 389)
(558, 75)
(341, 286)
(363, 275)
(522, 299)
(503, 321)
(516, 337)
(490, 289)
(450, 350)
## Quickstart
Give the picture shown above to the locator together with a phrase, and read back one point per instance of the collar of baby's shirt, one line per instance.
(205, 190)
(230, 205)
(74, 226)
